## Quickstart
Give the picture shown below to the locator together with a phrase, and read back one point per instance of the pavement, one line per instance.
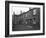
(26, 27)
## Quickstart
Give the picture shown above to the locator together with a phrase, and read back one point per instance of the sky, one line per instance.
(18, 9)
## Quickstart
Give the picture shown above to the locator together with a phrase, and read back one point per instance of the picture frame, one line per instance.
(8, 6)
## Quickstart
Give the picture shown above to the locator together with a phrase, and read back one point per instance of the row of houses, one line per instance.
(30, 17)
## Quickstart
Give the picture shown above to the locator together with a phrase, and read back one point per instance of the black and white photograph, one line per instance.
(25, 18)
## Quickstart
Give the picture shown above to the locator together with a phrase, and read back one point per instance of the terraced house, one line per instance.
(28, 19)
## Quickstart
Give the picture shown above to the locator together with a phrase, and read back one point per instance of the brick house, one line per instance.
(27, 17)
